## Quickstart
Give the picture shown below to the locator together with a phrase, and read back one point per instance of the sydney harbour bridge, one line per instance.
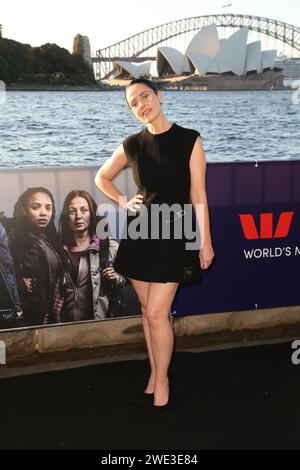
(141, 46)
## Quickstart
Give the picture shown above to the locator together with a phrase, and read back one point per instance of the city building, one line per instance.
(290, 67)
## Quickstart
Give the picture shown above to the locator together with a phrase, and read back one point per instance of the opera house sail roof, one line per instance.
(205, 54)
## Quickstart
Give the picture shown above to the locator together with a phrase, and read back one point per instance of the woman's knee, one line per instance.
(154, 315)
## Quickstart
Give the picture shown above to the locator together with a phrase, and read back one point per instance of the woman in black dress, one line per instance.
(168, 164)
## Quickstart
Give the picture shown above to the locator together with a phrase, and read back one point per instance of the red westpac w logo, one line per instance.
(266, 225)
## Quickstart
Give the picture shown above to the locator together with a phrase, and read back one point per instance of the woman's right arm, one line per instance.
(108, 171)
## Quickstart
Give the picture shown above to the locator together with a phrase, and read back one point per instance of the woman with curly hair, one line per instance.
(34, 245)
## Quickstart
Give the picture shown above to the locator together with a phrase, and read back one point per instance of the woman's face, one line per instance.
(39, 210)
(79, 215)
(144, 102)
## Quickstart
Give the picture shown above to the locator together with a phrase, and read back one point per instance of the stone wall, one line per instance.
(123, 335)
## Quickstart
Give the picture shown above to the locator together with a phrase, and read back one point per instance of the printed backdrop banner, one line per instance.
(255, 226)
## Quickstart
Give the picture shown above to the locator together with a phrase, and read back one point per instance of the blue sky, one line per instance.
(106, 22)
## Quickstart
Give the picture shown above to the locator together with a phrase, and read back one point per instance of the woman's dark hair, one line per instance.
(21, 206)
(142, 81)
(22, 203)
(23, 227)
(65, 232)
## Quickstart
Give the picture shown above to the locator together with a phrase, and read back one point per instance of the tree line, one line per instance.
(48, 64)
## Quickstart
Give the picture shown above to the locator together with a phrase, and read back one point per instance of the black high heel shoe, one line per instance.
(143, 398)
(161, 410)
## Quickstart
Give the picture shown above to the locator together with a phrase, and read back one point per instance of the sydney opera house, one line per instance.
(211, 61)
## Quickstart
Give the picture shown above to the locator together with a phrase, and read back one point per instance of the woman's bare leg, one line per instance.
(141, 288)
(159, 301)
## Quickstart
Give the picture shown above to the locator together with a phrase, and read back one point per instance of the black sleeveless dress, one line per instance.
(160, 165)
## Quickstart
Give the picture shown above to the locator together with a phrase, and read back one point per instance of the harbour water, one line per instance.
(83, 128)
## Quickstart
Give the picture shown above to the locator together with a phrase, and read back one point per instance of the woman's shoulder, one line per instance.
(133, 138)
(133, 144)
(186, 138)
(186, 131)
(15, 228)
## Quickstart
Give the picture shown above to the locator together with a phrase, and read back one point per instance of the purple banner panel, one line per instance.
(255, 225)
